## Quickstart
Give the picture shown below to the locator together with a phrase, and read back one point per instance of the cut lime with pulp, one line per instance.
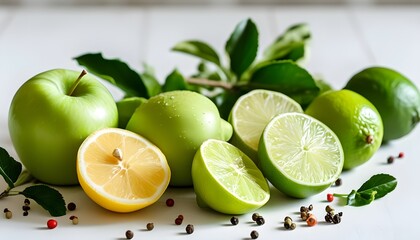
(300, 155)
(252, 112)
(227, 180)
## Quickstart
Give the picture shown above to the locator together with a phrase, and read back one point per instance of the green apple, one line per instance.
(50, 116)
(126, 108)
(178, 122)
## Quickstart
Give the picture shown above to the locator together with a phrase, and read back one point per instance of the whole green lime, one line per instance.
(354, 120)
(395, 97)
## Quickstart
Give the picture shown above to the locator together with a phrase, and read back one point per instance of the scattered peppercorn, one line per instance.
(331, 217)
(52, 223)
(170, 202)
(254, 234)
(390, 159)
(189, 229)
(178, 220)
(292, 226)
(25, 213)
(26, 201)
(255, 216)
(234, 220)
(129, 234)
(260, 220)
(329, 209)
(181, 216)
(304, 215)
(401, 155)
(338, 182)
(303, 209)
(287, 223)
(74, 220)
(7, 213)
(26, 208)
(310, 207)
(330, 197)
(150, 226)
(311, 220)
(336, 219)
(71, 206)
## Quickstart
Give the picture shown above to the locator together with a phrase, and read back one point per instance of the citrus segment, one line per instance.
(227, 180)
(300, 155)
(121, 171)
(252, 112)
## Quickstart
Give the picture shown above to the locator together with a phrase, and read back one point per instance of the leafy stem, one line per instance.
(47, 197)
(376, 187)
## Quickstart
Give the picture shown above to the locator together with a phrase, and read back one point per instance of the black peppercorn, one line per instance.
(26, 208)
(150, 226)
(234, 220)
(26, 201)
(189, 229)
(129, 234)
(336, 219)
(71, 206)
(338, 182)
(260, 220)
(255, 216)
(254, 234)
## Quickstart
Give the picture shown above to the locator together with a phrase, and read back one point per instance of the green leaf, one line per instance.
(289, 45)
(174, 81)
(10, 169)
(286, 77)
(198, 49)
(242, 46)
(150, 80)
(48, 198)
(382, 184)
(358, 199)
(116, 72)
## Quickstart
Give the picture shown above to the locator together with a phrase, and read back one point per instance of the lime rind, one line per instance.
(226, 180)
(252, 112)
(300, 155)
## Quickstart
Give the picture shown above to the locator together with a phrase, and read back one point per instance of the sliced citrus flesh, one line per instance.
(300, 155)
(252, 112)
(121, 171)
(227, 180)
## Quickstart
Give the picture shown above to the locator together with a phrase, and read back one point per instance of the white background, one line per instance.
(345, 40)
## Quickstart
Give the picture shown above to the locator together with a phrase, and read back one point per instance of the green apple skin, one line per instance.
(47, 126)
(178, 122)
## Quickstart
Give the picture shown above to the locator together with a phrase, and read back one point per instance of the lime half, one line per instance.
(252, 112)
(227, 180)
(300, 155)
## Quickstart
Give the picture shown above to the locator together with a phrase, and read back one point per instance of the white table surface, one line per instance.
(345, 40)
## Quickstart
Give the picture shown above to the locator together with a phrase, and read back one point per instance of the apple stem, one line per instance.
(117, 153)
(83, 73)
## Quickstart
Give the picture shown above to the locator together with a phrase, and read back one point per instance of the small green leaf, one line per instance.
(116, 72)
(48, 198)
(242, 46)
(174, 81)
(150, 80)
(198, 49)
(382, 184)
(358, 199)
(286, 77)
(289, 45)
(10, 169)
